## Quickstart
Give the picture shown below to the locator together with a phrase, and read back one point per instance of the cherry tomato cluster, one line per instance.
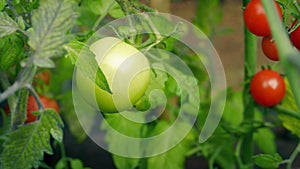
(256, 21)
(267, 87)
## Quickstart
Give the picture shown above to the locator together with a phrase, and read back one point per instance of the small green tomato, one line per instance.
(127, 71)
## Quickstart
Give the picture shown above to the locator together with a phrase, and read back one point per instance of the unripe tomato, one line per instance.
(267, 88)
(255, 18)
(32, 106)
(127, 71)
(295, 37)
(269, 48)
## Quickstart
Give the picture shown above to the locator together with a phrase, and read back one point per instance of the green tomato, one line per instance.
(127, 72)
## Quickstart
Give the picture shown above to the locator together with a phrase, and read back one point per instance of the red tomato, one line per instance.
(295, 37)
(255, 18)
(267, 88)
(269, 48)
(32, 107)
(42, 77)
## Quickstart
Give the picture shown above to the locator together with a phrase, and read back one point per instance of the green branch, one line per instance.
(250, 69)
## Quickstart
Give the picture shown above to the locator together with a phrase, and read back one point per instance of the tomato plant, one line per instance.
(255, 18)
(130, 65)
(267, 88)
(127, 71)
(269, 48)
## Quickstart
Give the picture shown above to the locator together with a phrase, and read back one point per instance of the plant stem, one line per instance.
(293, 157)
(289, 57)
(103, 15)
(283, 110)
(250, 68)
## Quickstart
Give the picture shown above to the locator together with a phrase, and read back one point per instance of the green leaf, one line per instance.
(11, 51)
(125, 163)
(233, 111)
(264, 137)
(265, 140)
(175, 157)
(2, 4)
(116, 11)
(289, 122)
(51, 21)
(26, 145)
(267, 161)
(7, 25)
(77, 164)
(85, 60)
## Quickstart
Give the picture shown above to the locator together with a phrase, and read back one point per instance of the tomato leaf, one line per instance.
(50, 23)
(289, 122)
(11, 51)
(85, 60)
(267, 161)
(175, 157)
(2, 4)
(7, 25)
(25, 146)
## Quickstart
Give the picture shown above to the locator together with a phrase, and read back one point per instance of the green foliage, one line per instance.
(290, 123)
(25, 147)
(74, 164)
(208, 16)
(267, 161)
(11, 51)
(50, 23)
(7, 25)
(85, 61)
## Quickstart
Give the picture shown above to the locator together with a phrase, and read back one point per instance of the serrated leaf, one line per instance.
(50, 24)
(85, 60)
(290, 123)
(26, 145)
(267, 161)
(11, 51)
(7, 25)
(44, 62)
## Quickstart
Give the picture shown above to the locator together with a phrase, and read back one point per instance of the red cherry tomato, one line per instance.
(269, 48)
(255, 18)
(42, 77)
(32, 107)
(267, 88)
(295, 36)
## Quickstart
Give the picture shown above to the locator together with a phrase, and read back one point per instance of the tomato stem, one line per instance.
(246, 144)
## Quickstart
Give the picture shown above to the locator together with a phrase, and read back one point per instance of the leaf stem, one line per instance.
(283, 110)
(293, 157)
(103, 15)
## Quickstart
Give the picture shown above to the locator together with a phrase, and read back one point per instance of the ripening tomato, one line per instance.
(269, 48)
(267, 88)
(295, 36)
(32, 107)
(255, 18)
(127, 72)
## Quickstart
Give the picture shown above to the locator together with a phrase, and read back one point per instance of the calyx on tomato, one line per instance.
(127, 72)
